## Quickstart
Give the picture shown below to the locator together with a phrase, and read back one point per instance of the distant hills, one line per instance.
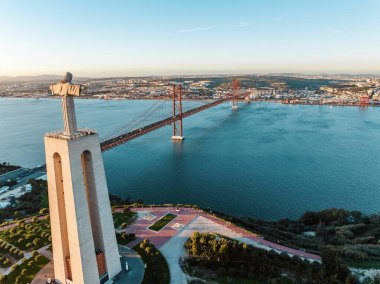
(59, 77)
(37, 78)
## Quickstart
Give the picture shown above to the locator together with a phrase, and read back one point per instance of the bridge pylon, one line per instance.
(177, 114)
(235, 92)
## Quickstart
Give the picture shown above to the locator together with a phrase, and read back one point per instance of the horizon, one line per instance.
(187, 38)
(216, 75)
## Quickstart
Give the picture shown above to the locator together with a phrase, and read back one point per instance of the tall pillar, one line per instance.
(177, 104)
(80, 211)
(83, 236)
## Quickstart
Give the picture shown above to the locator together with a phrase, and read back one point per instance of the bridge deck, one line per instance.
(125, 137)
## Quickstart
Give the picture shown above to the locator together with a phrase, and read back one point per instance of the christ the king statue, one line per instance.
(67, 90)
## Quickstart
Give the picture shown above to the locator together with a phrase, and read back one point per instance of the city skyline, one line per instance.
(139, 38)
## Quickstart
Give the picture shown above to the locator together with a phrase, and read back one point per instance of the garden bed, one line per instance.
(162, 222)
(26, 271)
(157, 269)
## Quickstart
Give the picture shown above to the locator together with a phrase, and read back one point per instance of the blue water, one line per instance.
(264, 160)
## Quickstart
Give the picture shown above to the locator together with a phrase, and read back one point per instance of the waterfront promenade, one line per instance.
(170, 239)
(188, 215)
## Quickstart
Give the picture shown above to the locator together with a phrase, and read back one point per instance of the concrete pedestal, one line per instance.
(178, 138)
(80, 211)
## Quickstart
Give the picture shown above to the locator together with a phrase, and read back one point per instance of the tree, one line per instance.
(24, 272)
(321, 229)
(6, 262)
(18, 280)
(31, 263)
(148, 250)
(44, 211)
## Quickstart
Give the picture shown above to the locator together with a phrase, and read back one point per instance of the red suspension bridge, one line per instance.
(133, 129)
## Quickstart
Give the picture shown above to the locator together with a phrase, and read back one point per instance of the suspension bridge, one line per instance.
(137, 128)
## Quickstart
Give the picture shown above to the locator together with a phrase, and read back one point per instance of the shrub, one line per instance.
(30, 263)
(44, 211)
(6, 262)
(14, 267)
(18, 280)
(36, 241)
(24, 272)
(148, 250)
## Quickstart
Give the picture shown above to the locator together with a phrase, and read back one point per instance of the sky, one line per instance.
(168, 37)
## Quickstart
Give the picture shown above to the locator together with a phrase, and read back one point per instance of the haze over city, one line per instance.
(129, 38)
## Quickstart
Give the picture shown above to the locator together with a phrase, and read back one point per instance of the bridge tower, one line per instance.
(235, 93)
(177, 113)
(83, 236)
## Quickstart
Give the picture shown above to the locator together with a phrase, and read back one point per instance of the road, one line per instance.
(13, 174)
(135, 273)
(22, 176)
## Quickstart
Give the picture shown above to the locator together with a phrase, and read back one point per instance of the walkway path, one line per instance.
(136, 269)
(134, 275)
(44, 274)
(170, 241)
(26, 221)
(186, 215)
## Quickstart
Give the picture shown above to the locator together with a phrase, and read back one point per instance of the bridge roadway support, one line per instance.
(234, 105)
(235, 94)
(177, 124)
(177, 138)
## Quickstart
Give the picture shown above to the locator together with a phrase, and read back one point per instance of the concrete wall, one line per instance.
(79, 194)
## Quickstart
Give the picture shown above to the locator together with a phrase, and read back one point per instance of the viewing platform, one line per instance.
(61, 135)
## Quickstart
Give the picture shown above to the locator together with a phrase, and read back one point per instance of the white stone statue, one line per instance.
(67, 90)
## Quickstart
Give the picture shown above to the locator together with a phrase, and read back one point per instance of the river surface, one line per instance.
(265, 160)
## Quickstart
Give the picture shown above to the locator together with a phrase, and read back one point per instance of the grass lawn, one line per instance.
(162, 222)
(157, 270)
(127, 217)
(363, 264)
(31, 271)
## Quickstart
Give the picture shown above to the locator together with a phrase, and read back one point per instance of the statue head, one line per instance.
(67, 78)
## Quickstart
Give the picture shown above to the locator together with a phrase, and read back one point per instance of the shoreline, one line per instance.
(335, 104)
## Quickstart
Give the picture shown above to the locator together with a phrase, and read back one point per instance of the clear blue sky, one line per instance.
(141, 37)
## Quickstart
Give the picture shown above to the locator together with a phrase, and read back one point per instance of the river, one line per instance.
(265, 160)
